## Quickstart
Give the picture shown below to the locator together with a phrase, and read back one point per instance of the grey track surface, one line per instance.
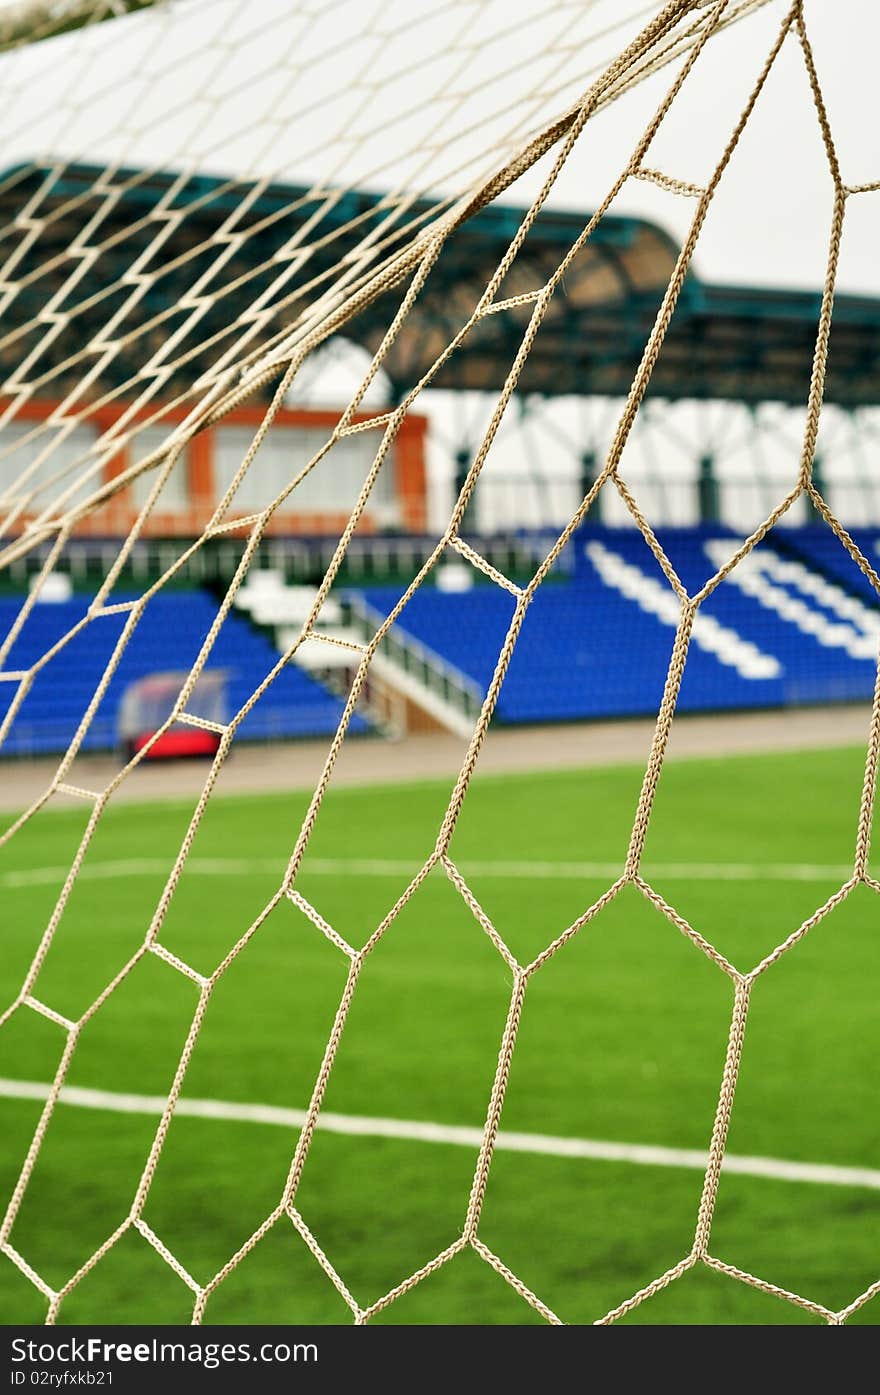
(297, 765)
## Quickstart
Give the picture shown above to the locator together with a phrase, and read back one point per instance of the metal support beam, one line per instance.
(707, 490)
(589, 465)
(818, 476)
(462, 465)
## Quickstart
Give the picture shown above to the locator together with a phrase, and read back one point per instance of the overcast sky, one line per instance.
(384, 92)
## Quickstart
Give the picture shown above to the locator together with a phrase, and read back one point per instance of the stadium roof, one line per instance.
(727, 342)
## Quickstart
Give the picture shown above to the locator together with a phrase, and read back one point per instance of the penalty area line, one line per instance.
(526, 870)
(417, 1131)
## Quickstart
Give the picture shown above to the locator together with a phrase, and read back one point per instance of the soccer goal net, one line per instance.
(200, 199)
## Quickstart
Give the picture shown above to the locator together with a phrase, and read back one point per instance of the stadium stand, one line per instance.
(818, 548)
(785, 628)
(168, 637)
(796, 622)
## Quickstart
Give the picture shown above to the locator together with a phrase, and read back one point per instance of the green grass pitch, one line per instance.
(623, 1038)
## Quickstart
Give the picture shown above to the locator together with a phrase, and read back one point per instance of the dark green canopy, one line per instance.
(87, 235)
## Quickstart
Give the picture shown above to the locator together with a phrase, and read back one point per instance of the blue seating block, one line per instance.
(167, 638)
(587, 650)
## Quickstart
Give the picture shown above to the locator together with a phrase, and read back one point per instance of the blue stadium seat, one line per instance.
(167, 638)
(818, 547)
(798, 624)
(589, 649)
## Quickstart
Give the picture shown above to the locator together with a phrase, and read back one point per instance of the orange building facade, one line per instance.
(320, 504)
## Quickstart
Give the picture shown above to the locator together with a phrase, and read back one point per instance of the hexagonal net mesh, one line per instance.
(181, 332)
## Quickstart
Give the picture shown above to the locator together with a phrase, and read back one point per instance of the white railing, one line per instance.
(440, 686)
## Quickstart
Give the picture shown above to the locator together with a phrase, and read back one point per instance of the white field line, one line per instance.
(416, 1131)
(387, 867)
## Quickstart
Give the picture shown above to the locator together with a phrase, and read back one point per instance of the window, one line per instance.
(175, 491)
(24, 442)
(331, 487)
